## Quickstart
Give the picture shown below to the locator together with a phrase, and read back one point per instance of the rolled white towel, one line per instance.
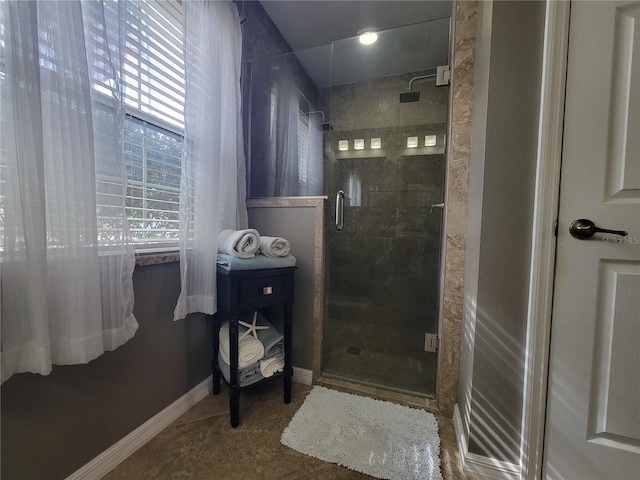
(250, 349)
(241, 243)
(269, 366)
(274, 246)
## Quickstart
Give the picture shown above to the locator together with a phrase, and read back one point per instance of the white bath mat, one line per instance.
(370, 436)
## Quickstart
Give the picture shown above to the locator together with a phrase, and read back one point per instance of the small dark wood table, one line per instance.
(240, 292)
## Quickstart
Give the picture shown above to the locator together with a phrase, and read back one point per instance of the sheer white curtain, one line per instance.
(293, 165)
(66, 263)
(213, 188)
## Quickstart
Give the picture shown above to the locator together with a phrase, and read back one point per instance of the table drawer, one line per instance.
(252, 289)
(263, 288)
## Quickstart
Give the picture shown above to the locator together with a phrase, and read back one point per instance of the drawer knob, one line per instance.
(267, 290)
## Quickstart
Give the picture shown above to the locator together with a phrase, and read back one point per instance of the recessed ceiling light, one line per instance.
(368, 38)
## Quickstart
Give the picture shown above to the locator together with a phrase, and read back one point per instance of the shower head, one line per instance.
(324, 125)
(409, 97)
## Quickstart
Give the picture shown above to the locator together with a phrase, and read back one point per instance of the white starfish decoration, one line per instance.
(252, 328)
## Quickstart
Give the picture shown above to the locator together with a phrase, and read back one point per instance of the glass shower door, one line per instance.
(384, 236)
(383, 271)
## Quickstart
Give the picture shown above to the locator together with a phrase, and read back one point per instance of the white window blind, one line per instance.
(154, 90)
(154, 97)
(3, 139)
(303, 148)
(154, 62)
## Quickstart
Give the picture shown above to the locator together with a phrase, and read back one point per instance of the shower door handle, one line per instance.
(339, 210)
(435, 205)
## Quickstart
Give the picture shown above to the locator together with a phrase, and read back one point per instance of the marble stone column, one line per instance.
(464, 34)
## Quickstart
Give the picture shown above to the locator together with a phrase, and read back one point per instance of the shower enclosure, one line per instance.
(381, 111)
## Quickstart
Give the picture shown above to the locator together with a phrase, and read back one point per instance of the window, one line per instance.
(3, 140)
(152, 161)
(154, 93)
(303, 147)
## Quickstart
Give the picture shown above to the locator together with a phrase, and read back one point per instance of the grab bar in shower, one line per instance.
(339, 210)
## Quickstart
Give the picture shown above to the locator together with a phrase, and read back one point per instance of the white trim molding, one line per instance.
(127, 446)
(547, 189)
(303, 376)
(478, 466)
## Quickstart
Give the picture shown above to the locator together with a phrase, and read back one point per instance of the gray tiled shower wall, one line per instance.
(388, 253)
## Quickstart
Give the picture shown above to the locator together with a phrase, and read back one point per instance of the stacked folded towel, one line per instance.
(269, 366)
(246, 376)
(272, 340)
(231, 262)
(250, 349)
(248, 242)
(274, 246)
(241, 243)
(269, 363)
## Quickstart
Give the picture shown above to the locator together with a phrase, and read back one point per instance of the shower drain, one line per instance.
(353, 350)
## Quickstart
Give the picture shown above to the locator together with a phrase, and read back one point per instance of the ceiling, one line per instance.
(310, 27)
(305, 24)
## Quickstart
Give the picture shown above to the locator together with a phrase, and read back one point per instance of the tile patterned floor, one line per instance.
(201, 444)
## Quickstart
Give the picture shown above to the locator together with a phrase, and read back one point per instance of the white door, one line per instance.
(593, 406)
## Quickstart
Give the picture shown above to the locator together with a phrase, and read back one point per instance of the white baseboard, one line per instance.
(127, 446)
(124, 448)
(478, 466)
(461, 439)
(485, 468)
(301, 375)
